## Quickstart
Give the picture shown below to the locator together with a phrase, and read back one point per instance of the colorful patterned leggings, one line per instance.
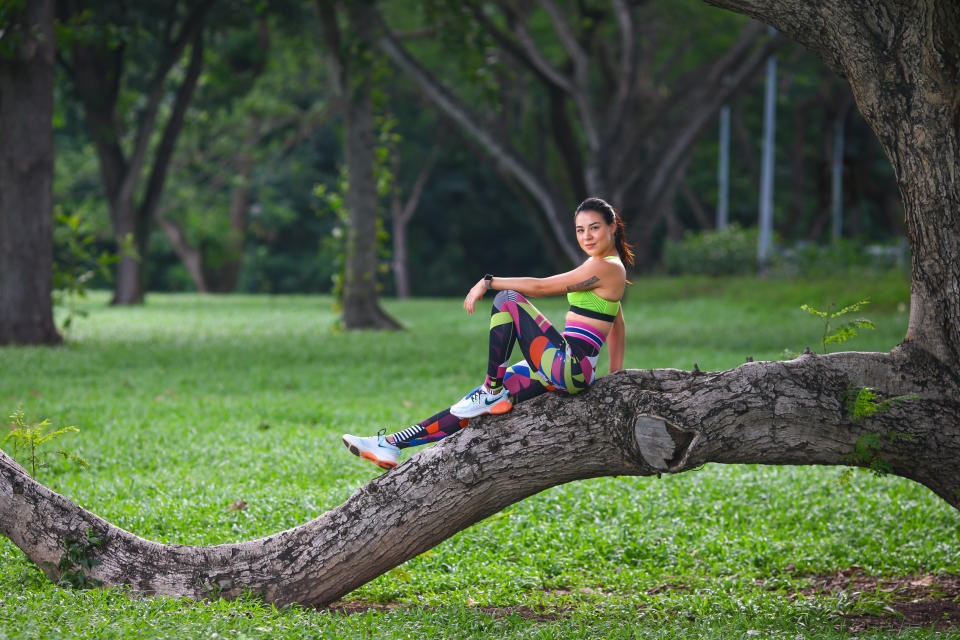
(565, 362)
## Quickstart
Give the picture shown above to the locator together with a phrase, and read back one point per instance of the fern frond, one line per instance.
(856, 306)
(813, 311)
(865, 404)
(54, 434)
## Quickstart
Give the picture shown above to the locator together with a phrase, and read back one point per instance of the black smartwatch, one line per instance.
(488, 280)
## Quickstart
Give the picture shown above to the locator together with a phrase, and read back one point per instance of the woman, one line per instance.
(564, 362)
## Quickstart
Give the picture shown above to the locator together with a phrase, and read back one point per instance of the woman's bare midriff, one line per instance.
(599, 325)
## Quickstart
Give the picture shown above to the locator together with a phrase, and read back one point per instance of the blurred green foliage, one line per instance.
(733, 251)
(728, 252)
(272, 104)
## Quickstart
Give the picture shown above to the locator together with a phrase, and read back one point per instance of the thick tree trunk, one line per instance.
(903, 64)
(130, 233)
(353, 80)
(26, 180)
(630, 423)
(361, 307)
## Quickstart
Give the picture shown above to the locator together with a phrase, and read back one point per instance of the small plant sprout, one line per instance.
(844, 331)
(76, 559)
(863, 403)
(34, 440)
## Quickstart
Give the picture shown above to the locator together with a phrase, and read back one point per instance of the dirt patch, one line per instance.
(529, 613)
(928, 601)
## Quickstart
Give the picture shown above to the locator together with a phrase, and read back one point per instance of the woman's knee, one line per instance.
(507, 295)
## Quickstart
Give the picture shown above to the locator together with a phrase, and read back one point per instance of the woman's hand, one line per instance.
(474, 295)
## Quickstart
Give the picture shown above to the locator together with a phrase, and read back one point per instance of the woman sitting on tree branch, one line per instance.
(553, 361)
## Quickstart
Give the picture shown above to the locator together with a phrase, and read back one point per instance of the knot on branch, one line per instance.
(663, 445)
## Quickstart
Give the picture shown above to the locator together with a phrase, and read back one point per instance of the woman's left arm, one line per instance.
(617, 342)
(586, 276)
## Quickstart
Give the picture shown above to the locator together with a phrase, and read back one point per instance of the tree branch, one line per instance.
(567, 39)
(190, 32)
(171, 132)
(633, 422)
(460, 113)
(812, 23)
(625, 76)
(529, 53)
(719, 83)
(405, 211)
(580, 93)
(191, 258)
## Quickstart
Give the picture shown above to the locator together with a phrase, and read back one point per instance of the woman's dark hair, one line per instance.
(610, 215)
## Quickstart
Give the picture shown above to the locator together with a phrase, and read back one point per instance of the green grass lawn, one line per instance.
(191, 405)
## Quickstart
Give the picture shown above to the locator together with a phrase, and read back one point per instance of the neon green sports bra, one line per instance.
(590, 305)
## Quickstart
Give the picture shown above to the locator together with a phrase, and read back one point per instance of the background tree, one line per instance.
(26, 172)
(217, 268)
(109, 41)
(401, 211)
(351, 64)
(621, 107)
(257, 102)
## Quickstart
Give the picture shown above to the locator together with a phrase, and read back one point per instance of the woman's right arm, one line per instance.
(617, 342)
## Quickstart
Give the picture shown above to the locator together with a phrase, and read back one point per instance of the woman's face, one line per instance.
(595, 236)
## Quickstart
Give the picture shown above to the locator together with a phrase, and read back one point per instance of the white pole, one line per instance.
(765, 237)
(723, 170)
(836, 176)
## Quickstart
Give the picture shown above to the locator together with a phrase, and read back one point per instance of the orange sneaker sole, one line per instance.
(501, 407)
(366, 455)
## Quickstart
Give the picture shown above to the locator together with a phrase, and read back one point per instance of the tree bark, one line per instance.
(26, 180)
(634, 422)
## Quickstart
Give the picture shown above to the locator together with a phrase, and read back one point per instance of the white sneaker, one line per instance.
(481, 401)
(376, 449)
